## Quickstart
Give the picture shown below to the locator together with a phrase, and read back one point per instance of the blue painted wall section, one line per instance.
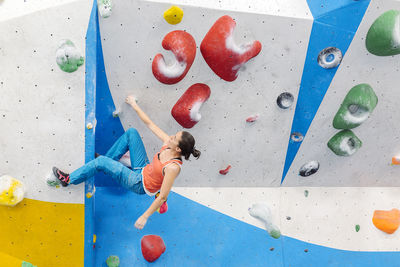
(335, 24)
(90, 107)
(108, 128)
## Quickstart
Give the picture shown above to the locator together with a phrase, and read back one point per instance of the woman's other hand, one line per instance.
(140, 222)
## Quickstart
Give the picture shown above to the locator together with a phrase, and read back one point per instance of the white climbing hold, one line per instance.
(12, 191)
(104, 7)
(263, 213)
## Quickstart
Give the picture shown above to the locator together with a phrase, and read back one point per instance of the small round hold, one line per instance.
(296, 137)
(285, 100)
(306, 250)
(330, 57)
(89, 126)
(309, 168)
(288, 218)
(271, 249)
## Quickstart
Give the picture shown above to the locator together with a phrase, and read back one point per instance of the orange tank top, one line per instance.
(153, 175)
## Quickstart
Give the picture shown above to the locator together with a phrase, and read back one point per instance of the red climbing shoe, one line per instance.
(62, 176)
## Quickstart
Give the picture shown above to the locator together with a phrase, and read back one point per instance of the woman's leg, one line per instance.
(129, 140)
(123, 175)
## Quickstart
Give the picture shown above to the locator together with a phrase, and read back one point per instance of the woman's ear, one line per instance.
(178, 149)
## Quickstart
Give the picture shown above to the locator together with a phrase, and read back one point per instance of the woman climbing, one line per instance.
(143, 177)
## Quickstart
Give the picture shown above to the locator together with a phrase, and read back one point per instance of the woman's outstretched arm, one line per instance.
(131, 100)
(171, 172)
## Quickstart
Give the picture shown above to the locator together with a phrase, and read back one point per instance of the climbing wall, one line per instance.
(271, 123)
(42, 120)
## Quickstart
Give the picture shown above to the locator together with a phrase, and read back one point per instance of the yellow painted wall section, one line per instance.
(45, 234)
(7, 260)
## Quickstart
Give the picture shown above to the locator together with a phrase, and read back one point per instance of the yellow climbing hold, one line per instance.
(11, 191)
(94, 239)
(173, 15)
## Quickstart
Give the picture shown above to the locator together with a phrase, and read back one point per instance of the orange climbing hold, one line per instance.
(396, 160)
(387, 221)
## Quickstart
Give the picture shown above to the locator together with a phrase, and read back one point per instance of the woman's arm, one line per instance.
(171, 172)
(143, 116)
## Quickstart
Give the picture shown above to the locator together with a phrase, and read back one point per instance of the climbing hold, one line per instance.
(221, 52)
(104, 7)
(90, 194)
(309, 168)
(186, 111)
(68, 57)
(357, 227)
(358, 104)
(285, 100)
(306, 250)
(296, 137)
(226, 170)
(116, 113)
(253, 118)
(152, 247)
(52, 180)
(263, 213)
(12, 191)
(306, 193)
(271, 249)
(344, 143)
(164, 206)
(27, 264)
(112, 261)
(89, 126)
(330, 57)
(94, 239)
(288, 218)
(183, 46)
(383, 37)
(173, 15)
(396, 160)
(387, 221)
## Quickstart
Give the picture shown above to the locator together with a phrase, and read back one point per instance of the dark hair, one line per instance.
(186, 144)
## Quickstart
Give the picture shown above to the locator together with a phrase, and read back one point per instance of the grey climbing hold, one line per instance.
(285, 100)
(330, 57)
(309, 168)
(296, 137)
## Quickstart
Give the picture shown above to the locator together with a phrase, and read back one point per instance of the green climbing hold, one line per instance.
(112, 261)
(27, 264)
(104, 7)
(275, 233)
(357, 227)
(68, 57)
(383, 38)
(358, 104)
(306, 193)
(344, 143)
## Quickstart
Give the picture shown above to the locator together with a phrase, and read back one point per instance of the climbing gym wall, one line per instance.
(294, 117)
(42, 116)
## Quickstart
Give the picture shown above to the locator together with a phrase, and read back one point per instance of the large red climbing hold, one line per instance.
(152, 247)
(221, 52)
(186, 111)
(183, 46)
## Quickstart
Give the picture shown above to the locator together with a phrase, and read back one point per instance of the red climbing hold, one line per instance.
(252, 118)
(224, 172)
(186, 111)
(183, 45)
(222, 54)
(152, 247)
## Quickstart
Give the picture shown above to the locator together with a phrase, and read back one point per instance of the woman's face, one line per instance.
(174, 140)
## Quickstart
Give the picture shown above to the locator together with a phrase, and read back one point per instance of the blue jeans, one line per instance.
(126, 177)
